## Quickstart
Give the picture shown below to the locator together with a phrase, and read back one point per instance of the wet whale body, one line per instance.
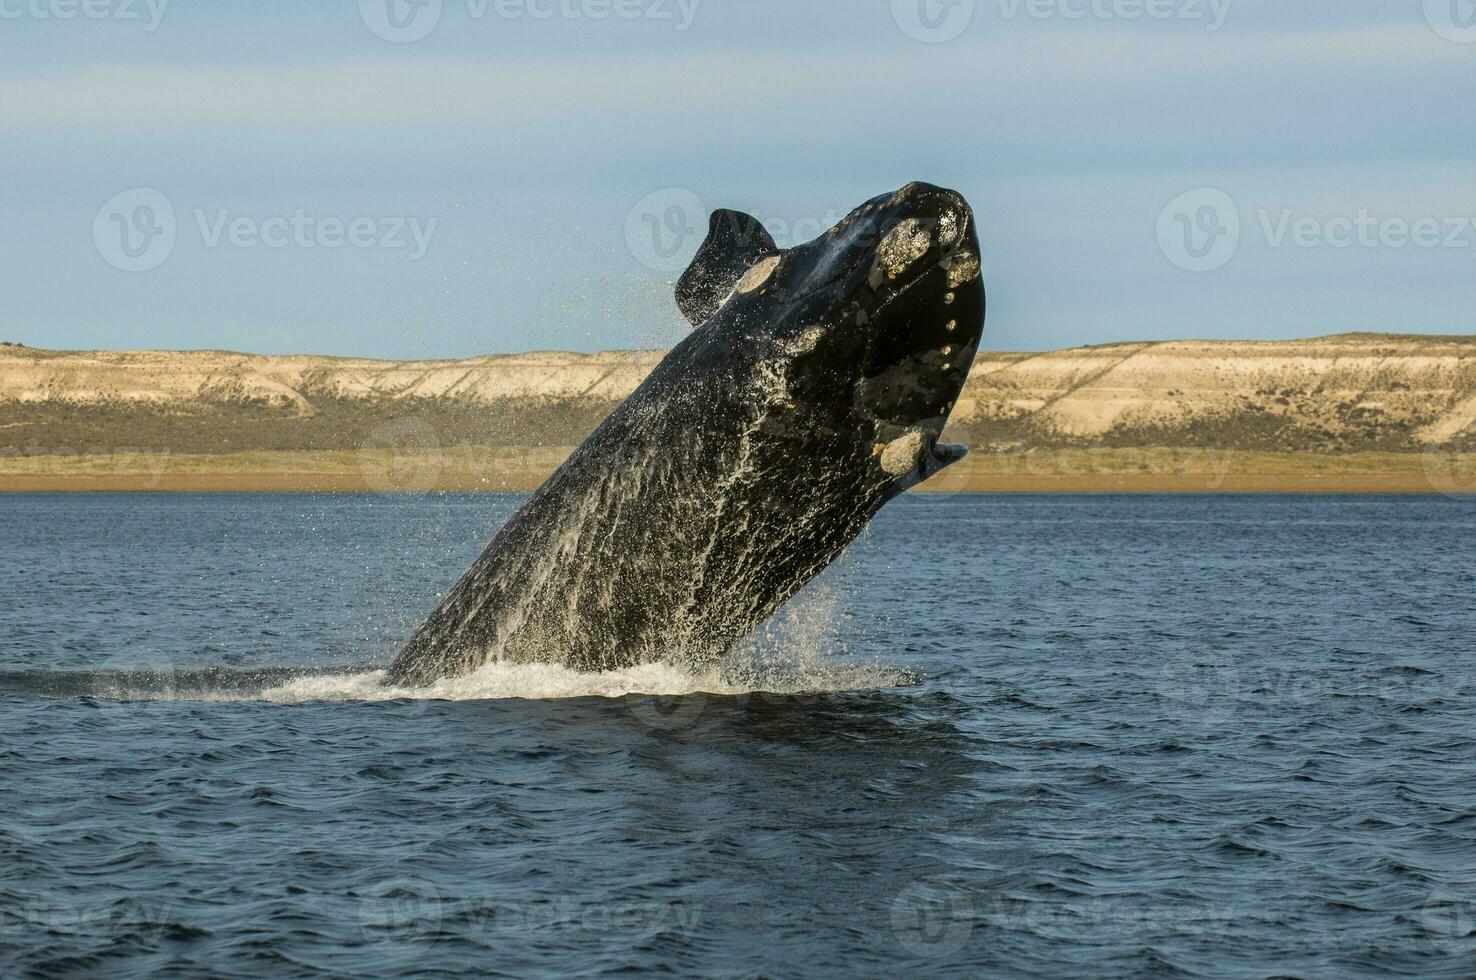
(813, 389)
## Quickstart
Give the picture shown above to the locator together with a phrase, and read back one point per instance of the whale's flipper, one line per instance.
(735, 241)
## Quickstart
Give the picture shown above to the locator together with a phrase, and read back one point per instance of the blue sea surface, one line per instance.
(1033, 735)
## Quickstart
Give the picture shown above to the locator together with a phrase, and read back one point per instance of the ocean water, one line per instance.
(1059, 736)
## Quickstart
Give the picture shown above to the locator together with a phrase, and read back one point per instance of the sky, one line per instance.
(450, 178)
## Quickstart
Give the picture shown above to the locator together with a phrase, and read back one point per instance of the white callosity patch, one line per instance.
(807, 341)
(903, 245)
(758, 274)
(948, 229)
(963, 268)
(900, 455)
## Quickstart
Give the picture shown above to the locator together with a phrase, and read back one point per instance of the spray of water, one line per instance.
(797, 652)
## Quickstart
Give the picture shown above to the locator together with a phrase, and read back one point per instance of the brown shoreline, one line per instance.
(503, 469)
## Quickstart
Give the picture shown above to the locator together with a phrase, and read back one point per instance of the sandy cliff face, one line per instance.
(1336, 393)
(188, 379)
(1357, 391)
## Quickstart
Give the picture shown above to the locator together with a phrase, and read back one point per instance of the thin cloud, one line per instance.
(418, 92)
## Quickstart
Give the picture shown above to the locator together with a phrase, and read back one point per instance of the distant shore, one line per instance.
(1350, 413)
(504, 469)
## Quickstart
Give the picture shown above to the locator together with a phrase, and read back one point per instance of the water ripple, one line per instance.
(1037, 735)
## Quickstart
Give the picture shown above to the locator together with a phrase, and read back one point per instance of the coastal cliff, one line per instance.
(1325, 399)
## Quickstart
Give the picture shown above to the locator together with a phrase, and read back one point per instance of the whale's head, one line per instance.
(869, 329)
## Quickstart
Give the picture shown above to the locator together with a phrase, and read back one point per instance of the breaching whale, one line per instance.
(812, 390)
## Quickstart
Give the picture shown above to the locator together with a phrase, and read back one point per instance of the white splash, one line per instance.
(792, 654)
(494, 680)
(497, 681)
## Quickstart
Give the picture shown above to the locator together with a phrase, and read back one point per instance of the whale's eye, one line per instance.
(758, 274)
